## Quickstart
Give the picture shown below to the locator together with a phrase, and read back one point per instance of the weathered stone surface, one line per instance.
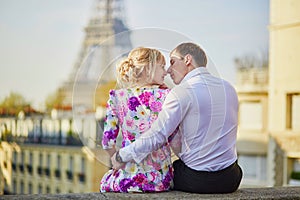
(244, 193)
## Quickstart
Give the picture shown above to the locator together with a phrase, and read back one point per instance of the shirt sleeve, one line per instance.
(111, 127)
(166, 123)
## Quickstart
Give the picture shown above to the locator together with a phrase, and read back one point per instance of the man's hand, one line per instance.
(115, 164)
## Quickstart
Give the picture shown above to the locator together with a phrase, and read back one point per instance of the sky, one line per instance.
(40, 40)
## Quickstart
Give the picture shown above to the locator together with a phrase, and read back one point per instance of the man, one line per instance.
(205, 110)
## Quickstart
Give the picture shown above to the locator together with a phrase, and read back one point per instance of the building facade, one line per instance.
(38, 157)
(269, 112)
(284, 91)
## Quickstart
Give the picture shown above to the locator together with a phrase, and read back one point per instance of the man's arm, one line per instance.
(166, 123)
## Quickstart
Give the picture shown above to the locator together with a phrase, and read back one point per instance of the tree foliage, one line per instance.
(14, 100)
(13, 104)
(251, 61)
(54, 100)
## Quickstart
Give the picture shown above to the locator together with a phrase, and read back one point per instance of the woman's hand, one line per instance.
(115, 164)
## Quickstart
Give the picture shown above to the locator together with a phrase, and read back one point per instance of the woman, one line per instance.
(132, 110)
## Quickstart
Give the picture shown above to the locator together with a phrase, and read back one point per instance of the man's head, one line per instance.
(183, 59)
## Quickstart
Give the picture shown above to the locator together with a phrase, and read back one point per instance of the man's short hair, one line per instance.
(194, 50)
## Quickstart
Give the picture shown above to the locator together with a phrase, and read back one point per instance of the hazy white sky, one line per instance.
(40, 40)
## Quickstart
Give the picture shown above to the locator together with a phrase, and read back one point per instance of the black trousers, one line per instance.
(189, 180)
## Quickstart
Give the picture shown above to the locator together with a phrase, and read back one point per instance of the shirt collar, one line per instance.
(194, 72)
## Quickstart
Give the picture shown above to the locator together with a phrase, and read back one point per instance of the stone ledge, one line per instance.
(244, 193)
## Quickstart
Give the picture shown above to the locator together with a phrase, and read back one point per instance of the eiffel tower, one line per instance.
(96, 55)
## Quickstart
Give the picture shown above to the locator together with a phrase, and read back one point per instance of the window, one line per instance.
(293, 111)
(71, 163)
(48, 191)
(15, 157)
(21, 166)
(22, 157)
(81, 175)
(57, 171)
(250, 115)
(70, 170)
(31, 158)
(40, 167)
(14, 186)
(254, 169)
(48, 161)
(29, 166)
(82, 165)
(22, 187)
(47, 169)
(58, 162)
(40, 189)
(41, 160)
(30, 188)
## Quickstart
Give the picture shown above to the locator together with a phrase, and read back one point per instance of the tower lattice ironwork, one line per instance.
(94, 65)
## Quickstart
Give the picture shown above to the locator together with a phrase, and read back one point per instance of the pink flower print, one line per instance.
(161, 155)
(156, 106)
(130, 122)
(116, 186)
(105, 141)
(162, 93)
(142, 127)
(139, 179)
(156, 166)
(121, 93)
(133, 102)
(144, 97)
(151, 99)
(129, 135)
(153, 117)
(153, 176)
(122, 110)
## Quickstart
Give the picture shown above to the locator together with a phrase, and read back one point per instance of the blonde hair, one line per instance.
(139, 67)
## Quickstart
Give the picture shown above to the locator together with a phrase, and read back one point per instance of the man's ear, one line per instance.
(188, 59)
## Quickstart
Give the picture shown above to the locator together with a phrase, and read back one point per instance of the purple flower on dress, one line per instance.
(108, 177)
(112, 92)
(155, 106)
(167, 180)
(125, 184)
(133, 102)
(144, 97)
(109, 134)
(149, 187)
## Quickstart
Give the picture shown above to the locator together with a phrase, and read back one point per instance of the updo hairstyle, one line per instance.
(139, 67)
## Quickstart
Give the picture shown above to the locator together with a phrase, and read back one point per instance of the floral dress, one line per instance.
(132, 111)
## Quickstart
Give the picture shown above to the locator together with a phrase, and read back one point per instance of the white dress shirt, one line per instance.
(205, 108)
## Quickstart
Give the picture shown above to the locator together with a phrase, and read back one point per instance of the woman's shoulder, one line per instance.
(131, 92)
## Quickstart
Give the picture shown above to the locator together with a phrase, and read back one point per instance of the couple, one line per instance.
(197, 119)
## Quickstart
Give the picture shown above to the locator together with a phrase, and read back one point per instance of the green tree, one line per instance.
(54, 100)
(14, 103)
